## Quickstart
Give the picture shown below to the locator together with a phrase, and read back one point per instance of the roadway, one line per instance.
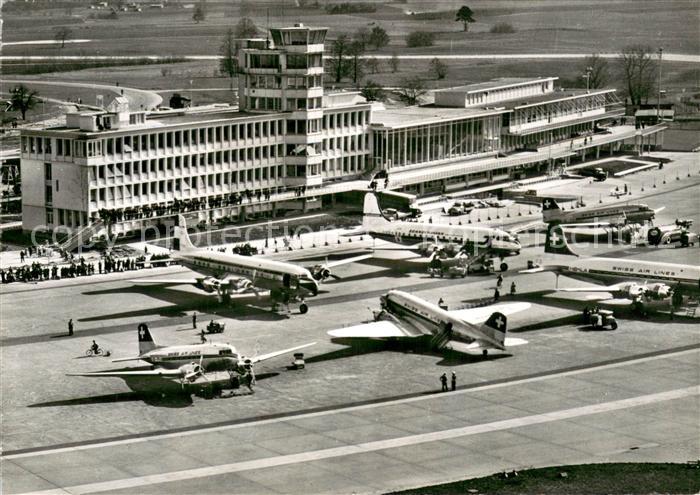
(360, 418)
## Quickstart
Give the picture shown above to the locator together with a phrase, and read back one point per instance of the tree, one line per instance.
(439, 68)
(638, 69)
(356, 49)
(596, 68)
(465, 16)
(372, 91)
(372, 65)
(378, 38)
(200, 13)
(22, 99)
(339, 50)
(229, 56)
(420, 38)
(62, 34)
(411, 90)
(246, 28)
(361, 36)
(394, 62)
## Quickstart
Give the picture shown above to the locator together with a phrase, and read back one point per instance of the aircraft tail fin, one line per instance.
(372, 214)
(495, 328)
(146, 342)
(556, 242)
(181, 239)
(551, 211)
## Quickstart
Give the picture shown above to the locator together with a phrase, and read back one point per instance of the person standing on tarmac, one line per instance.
(512, 289)
(499, 281)
(454, 381)
(70, 327)
(443, 381)
(194, 320)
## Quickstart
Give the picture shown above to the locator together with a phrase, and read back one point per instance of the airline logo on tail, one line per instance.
(181, 239)
(146, 343)
(549, 204)
(556, 242)
(495, 327)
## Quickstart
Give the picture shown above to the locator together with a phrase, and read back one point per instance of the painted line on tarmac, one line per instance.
(337, 409)
(373, 446)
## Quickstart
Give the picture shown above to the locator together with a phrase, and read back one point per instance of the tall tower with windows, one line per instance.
(285, 74)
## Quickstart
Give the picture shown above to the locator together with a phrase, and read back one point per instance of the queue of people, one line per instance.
(37, 272)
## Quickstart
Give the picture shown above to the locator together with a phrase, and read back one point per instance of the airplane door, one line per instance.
(287, 281)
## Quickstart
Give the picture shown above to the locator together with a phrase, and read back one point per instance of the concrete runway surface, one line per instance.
(361, 418)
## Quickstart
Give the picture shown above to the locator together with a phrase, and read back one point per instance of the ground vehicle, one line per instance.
(95, 352)
(215, 327)
(600, 318)
(451, 271)
(597, 173)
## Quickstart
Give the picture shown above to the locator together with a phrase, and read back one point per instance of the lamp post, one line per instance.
(658, 94)
(587, 77)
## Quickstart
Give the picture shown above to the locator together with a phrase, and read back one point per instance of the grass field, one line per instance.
(612, 479)
(541, 26)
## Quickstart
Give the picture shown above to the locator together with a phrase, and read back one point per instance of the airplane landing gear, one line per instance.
(504, 266)
(303, 308)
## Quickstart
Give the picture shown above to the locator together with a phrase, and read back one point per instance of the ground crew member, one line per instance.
(202, 337)
(70, 327)
(194, 320)
(442, 304)
(95, 347)
(499, 280)
(512, 289)
(443, 381)
(454, 381)
(496, 295)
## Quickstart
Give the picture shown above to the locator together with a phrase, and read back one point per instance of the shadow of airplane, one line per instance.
(359, 346)
(154, 391)
(182, 302)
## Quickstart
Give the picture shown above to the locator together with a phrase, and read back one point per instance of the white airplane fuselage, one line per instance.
(262, 272)
(172, 357)
(431, 319)
(614, 270)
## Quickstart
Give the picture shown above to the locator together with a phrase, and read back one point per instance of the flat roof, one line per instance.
(552, 97)
(427, 114)
(494, 84)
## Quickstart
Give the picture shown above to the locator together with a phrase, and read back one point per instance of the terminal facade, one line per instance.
(290, 145)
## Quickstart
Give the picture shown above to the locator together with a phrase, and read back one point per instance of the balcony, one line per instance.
(309, 181)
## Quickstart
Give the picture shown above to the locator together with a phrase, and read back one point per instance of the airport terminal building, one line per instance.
(290, 145)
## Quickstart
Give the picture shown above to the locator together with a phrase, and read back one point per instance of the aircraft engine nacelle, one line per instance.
(659, 291)
(209, 284)
(240, 285)
(321, 272)
(191, 371)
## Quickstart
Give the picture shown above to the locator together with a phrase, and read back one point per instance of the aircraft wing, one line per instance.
(125, 374)
(164, 281)
(478, 346)
(270, 355)
(474, 316)
(376, 329)
(347, 261)
(609, 288)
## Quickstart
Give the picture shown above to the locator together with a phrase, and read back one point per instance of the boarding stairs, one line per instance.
(691, 308)
(80, 237)
(442, 338)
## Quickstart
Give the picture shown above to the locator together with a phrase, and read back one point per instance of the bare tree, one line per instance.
(229, 56)
(62, 34)
(362, 36)
(246, 28)
(638, 68)
(372, 91)
(439, 68)
(355, 51)
(339, 50)
(394, 62)
(378, 38)
(411, 90)
(372, 65)
(22, 99)
(596, 68)
(200, 12)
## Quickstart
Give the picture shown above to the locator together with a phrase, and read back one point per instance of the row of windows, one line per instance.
(156, 141)
(275, 82)
(186, 163)
(229, 181)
